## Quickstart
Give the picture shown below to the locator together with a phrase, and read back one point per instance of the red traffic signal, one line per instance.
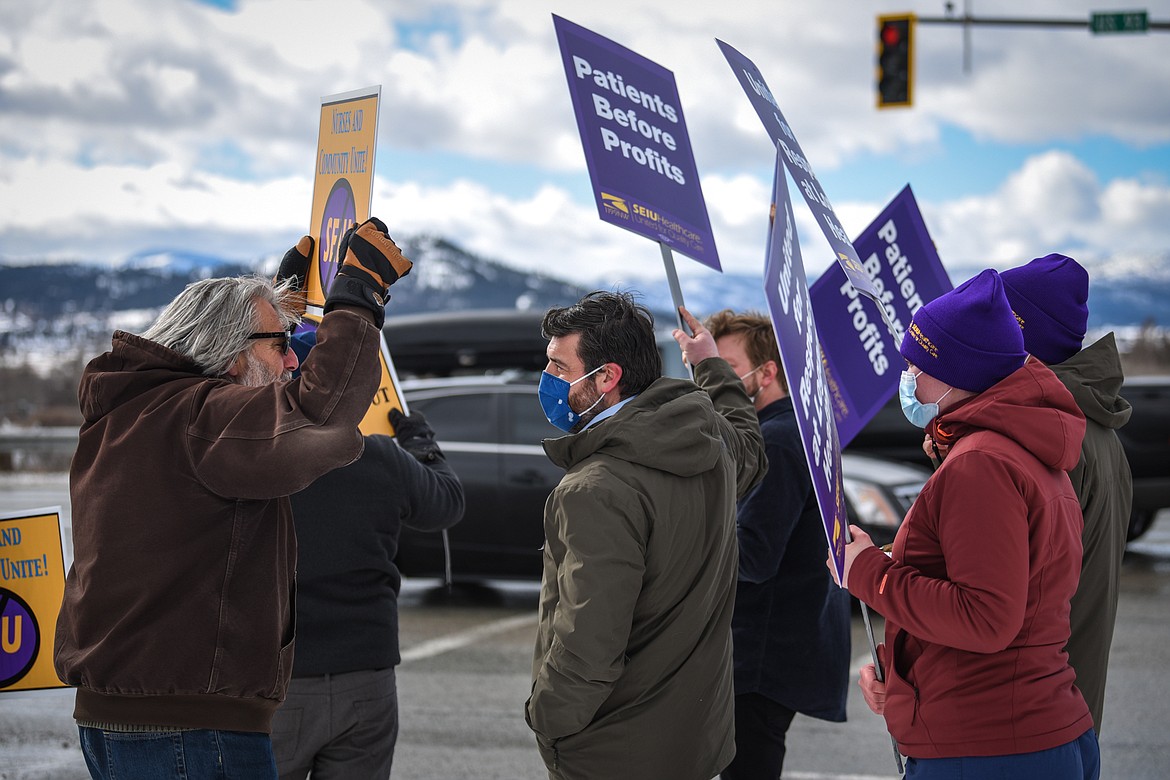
(895, 65)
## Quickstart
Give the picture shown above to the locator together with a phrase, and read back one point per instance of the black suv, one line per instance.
(474, 375)
(490, 428)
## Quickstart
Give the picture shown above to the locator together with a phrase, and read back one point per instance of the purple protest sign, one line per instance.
(793, 320)
(798, 165)
(636, 143)
(860, 352)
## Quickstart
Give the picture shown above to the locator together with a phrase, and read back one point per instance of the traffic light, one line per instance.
(895, 71)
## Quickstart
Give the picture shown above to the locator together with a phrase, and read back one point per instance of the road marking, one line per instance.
(446, 644)
(823, 776)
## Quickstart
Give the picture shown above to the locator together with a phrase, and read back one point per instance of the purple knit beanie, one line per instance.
(968, 337)
(1050, 298)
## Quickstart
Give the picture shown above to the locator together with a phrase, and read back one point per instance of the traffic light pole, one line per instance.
(1001, 21)
(1103, 23)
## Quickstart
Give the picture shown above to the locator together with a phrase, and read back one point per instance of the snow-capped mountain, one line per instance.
(63, 312)
(60, 312)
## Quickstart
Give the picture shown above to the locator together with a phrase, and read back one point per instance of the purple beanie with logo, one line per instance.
(1050, 297)
(968, 337)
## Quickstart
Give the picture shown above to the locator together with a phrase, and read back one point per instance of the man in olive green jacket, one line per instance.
(1049, 297)
(632, 673)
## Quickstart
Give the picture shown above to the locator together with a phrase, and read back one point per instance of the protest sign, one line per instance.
(343, 179)
(32, 584)
(786, 288)
(798, 166)
(793, 320)
(636, 143)
(861, 353)
(343, 187)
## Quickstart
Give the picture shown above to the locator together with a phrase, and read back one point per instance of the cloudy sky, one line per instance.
(131, 125)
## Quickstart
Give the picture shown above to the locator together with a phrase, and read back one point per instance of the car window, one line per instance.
(464, 417)
(525, 423)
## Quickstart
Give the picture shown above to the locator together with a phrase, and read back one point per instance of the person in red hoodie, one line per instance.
(976, 590)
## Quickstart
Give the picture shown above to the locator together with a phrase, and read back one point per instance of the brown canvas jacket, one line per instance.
(178, 607)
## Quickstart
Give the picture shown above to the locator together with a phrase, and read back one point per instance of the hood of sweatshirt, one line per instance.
(133, 366)
(669, 426)
(1030, 406)
(1094, 378)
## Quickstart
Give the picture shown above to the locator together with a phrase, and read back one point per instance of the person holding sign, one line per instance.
(341, 715)
(176, 625)
(632, 675)
(1049, 297)
(976, 590)
(791, 624)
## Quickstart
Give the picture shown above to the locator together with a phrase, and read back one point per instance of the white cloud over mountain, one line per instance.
(127, 123)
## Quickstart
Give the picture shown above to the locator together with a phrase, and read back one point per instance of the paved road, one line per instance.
(465, 676)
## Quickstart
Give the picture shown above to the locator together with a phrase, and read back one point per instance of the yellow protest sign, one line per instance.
(343, 186)
(32, 583)
(343, 181)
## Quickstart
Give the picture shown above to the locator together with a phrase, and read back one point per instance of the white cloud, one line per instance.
(139, 123)
(1053, 203)
(107, 212)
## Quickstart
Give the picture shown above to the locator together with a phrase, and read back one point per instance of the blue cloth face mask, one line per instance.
(916, 412)
(554, 399)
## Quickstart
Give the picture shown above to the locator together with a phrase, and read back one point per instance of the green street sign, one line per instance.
(1119, 22)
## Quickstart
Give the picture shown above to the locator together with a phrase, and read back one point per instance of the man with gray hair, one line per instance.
(176, 625)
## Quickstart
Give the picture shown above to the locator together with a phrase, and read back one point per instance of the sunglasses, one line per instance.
(283, 335)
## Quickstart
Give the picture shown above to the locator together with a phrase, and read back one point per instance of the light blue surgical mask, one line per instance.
(553, 393)
(916, 412)
(743, 379)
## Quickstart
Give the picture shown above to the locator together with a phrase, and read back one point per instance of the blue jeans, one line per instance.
(200, 754)
(1076, 760)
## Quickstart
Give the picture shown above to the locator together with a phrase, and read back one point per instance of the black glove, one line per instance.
(415, 435)
(296, 263)
(370, 262)
(295, 266)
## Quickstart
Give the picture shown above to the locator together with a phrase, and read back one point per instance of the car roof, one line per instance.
(479, 340)
(1145, 381)
(478, 381)
(485, 341)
